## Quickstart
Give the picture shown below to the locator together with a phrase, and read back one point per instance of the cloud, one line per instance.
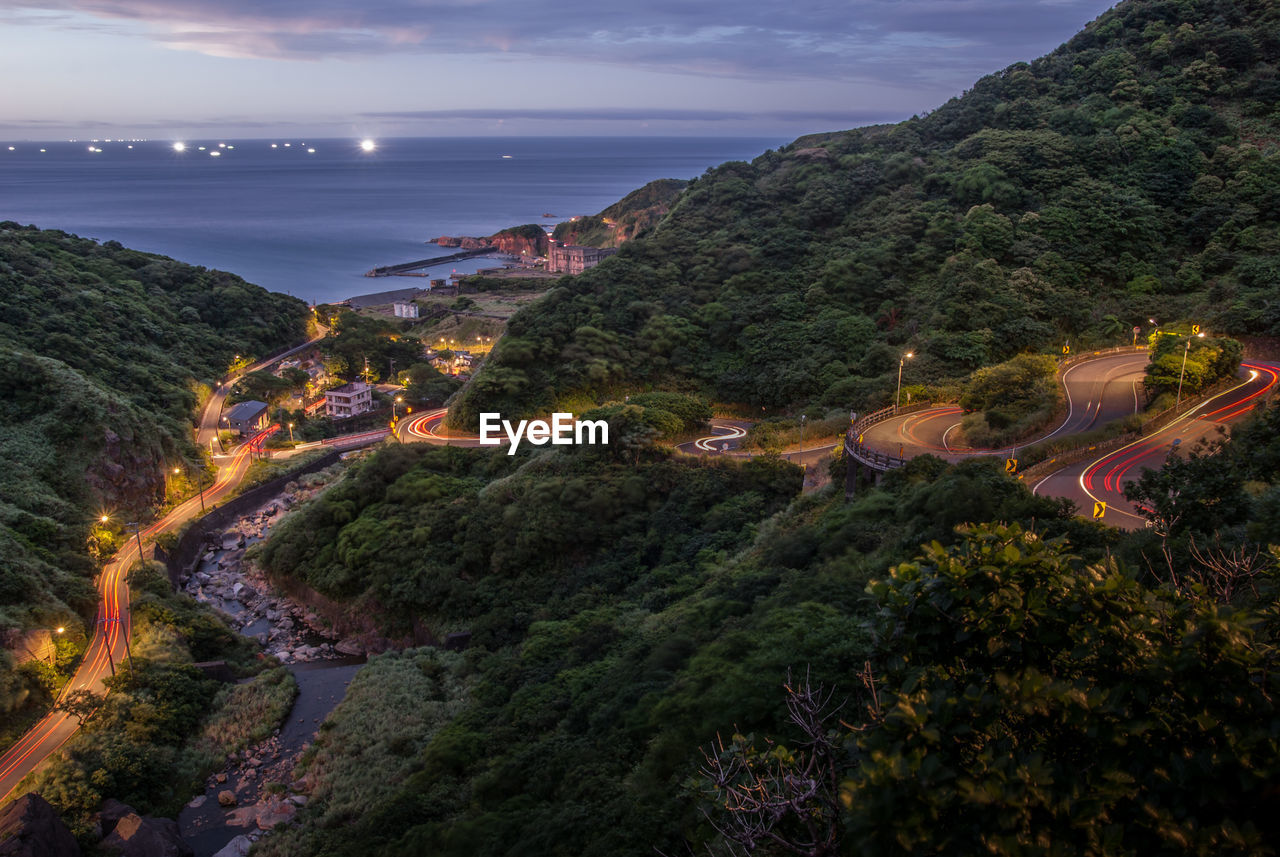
(770, 39)
(840, 118)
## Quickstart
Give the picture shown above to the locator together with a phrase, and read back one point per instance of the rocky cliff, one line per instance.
(527, 240)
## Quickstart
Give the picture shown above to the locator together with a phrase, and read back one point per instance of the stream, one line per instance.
(237, 807)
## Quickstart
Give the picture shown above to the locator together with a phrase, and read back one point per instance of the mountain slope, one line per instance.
(102, 350)
(1132, 173)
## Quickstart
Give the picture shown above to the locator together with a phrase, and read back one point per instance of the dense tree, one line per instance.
(1124, 175)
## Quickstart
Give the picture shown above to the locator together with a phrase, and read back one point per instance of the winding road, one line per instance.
(108, 651)
(1097, 391)
(1102, 479)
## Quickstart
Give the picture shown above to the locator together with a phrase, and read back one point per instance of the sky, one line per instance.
(368, 68)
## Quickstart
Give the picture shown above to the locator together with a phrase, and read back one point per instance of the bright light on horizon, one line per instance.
(179, 147)
(367, 145)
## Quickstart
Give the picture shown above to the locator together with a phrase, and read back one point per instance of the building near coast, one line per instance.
(247, 417)
(348, 400)
(405, 309)
(574, 258)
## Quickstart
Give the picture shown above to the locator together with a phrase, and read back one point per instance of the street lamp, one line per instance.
(803, 417)
(53, 655)
(1183, 371)
(290, 432)
(897, 399)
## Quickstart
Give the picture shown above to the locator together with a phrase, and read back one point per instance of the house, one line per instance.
(247, 417)
(461, 361)
(574, 258)
(348, 400)
(405, 309)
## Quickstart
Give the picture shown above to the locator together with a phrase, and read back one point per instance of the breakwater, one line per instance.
(407, 268)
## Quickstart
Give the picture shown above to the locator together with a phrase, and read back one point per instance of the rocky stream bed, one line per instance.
(256, 790)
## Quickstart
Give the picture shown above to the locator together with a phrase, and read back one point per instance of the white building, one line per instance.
(405, 309)
(348, 400)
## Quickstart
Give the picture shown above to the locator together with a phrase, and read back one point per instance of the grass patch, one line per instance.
(779, 433)
(244, 714)
(373, 740)
(1038, 452)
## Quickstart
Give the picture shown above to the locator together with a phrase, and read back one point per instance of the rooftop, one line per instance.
(246, 410)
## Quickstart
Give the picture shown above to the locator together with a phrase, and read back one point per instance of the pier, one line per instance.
(407, 268)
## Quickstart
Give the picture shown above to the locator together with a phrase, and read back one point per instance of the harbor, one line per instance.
(410, 269)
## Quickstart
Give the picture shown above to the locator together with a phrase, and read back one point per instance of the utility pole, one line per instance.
(1183, 371)
(106, 642)
(137, 532)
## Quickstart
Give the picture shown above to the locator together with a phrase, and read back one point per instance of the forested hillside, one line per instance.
(889, 677)
(1132, 173)
(634, 214)
(103, 350)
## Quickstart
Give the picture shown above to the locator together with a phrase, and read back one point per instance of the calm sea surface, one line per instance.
(311, 223)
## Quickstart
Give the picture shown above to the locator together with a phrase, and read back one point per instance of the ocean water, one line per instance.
(310, 223)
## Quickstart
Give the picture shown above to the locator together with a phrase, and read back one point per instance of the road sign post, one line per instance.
(1099, 509)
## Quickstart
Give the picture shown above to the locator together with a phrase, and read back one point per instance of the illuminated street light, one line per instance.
(897, 399)
(53, 654)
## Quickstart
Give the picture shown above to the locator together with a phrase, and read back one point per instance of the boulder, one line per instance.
(111, 813)
(237, 847)
(138, 836)
(197, 801)
(275, 811)
(349, 647)
(29, 827)
(226, 797)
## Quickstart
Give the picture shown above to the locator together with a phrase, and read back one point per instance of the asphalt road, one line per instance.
(1102, 479)
(108, 650)
(1097, 391)
(429, 428)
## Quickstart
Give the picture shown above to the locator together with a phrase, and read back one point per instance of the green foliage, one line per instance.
(373, 740)
(163, 726)
(101, 351)
(620, 615)
(262, 387)
(1193, 362)
(356, 341)
(428, 387)
(1129, 173)
(1034, 705)
(445, 536)
(1013, 398)
(631, 216)
(243, 714)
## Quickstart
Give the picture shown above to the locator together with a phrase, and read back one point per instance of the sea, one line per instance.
(310, 217)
